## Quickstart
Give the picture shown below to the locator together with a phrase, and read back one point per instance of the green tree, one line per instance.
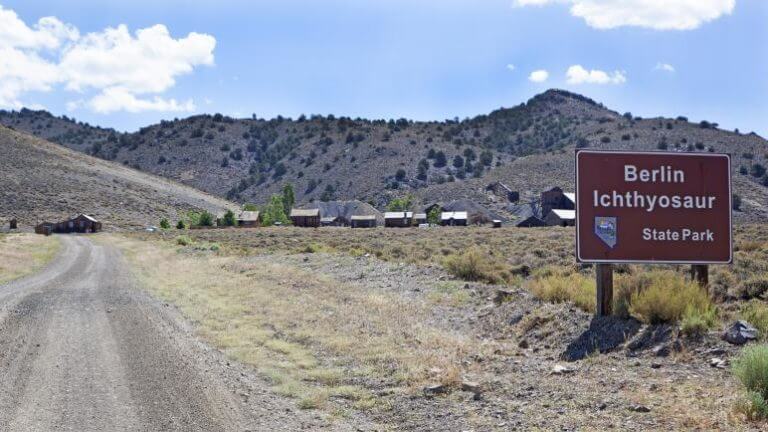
(758, 170)
(289, 198)
(274, 211)
(433, 217)
(206, 219)
(250, 207)
(458, 161)
(440, 159)
(180, 225)
(229, 218)
(193, 218)
(401, 204)
(486, 158)
(164, 224)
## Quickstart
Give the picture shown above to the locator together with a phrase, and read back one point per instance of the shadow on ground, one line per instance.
(604, 334)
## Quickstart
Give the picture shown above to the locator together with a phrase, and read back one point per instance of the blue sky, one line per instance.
(425, 60)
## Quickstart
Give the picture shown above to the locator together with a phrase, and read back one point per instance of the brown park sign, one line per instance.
(653, 207)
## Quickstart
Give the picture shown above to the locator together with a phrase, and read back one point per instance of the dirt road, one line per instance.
(82, 349)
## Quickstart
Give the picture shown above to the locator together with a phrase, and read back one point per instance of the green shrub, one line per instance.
(756, 313)
(184, 240)
(164, 224)
(666, 298)
(229, 218)
(575, 288)
(206, 219)
(751, 368)
(180, 225)
(697, 322)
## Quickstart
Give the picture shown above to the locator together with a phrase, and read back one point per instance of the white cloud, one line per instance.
(666, 67)
(48, 33)
(22, 72)
(114, 69)
(538, 76)
(119, 99)
(655, 14)
(510, 67)
(577, 74)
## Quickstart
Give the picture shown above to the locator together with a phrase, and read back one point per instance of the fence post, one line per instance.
(604, 282)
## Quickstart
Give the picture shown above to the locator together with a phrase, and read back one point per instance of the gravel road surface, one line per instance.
(82, 349)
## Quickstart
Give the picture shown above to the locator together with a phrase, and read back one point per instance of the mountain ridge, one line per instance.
(328, 157)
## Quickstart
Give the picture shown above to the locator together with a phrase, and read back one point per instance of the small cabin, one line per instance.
(398, 219)
(420, 218)
(496, 223)
(81, 223)
(363, 221)
(558, 217)
(308, 218)
(454, 218)
(248, 219)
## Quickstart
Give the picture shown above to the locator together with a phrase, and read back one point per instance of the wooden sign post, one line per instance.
(652, 208)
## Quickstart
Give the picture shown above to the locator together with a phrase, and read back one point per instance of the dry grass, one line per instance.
(288, 323)
(666, 298)
(500, 251)
(24, 254)
(574, 287)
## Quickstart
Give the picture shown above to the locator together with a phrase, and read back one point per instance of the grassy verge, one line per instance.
(314, 338)
(24, 254)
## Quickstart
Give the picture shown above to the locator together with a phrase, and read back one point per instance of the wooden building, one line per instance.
(496, 223)
(363, 221)
(555, 198)
(81, 223)
(501, 190)
(249, 219)
(309, 218)
(420, 218)
(457, 218)
(398, 219)
(558, 217)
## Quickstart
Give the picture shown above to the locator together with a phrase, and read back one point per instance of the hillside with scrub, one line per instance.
(528, 147)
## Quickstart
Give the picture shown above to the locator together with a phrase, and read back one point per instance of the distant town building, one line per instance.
(555, 198)
(496, 223)
(502, 190)
(248, 219)
(458, 218)
(558, 217)
(420, 218)
(363, 221)
(398, 219)
(81, 223)
(305, 217)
